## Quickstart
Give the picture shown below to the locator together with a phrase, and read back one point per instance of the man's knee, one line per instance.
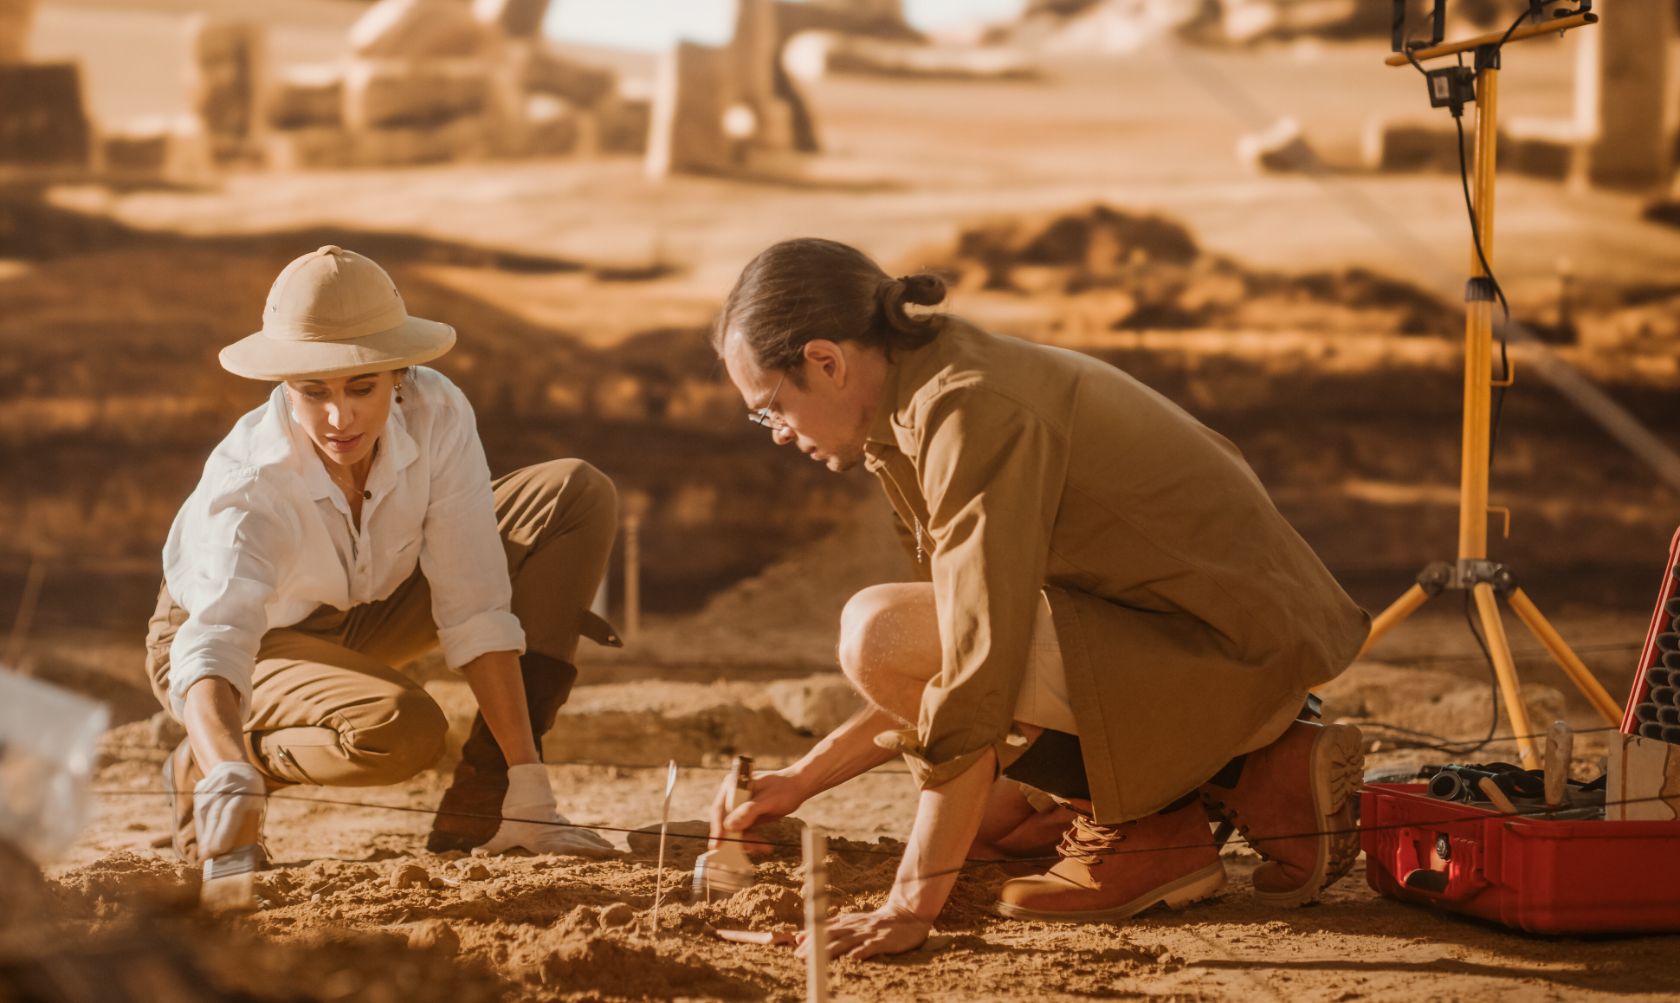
(872, 633)
(406, 738)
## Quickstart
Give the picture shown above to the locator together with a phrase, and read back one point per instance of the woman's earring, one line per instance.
(399, 391)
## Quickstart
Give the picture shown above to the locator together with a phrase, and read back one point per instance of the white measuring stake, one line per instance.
(664, 824)
(816, 916)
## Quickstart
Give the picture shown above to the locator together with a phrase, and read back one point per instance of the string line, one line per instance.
(1243, 840)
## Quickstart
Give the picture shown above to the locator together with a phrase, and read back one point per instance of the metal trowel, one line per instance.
(726, 870)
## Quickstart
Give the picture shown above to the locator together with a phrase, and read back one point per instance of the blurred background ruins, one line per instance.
(1235, 200)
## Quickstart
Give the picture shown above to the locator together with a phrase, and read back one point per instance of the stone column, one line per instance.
(227, 84)
(685, 133)
(521, 19)
(1634, 148)
(17, 18)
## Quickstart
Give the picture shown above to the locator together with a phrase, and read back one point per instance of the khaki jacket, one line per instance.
(1189, 612)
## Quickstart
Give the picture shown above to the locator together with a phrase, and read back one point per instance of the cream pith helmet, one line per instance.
(334, 312)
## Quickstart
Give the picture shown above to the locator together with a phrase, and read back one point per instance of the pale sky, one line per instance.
(655, 24)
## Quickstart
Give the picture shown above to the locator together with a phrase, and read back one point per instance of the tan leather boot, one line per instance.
(180, 775)
(1113, 872)
(1294, 802)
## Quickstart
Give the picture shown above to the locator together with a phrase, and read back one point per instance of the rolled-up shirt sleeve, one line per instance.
(992, 473)
(461, 551)
(226, 589)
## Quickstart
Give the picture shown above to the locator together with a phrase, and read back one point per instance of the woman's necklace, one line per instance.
(345, 477)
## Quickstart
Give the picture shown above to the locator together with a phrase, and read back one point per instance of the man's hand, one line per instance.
(228, 807)
(531, 821)
(774, 795)
(866, 934)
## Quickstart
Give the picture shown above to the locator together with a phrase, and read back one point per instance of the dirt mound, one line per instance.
(1143, 271)
(116, 884)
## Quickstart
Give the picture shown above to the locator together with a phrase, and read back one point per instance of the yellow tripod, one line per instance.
(1488, 580)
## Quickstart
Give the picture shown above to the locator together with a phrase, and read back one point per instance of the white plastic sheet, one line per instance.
(49, 738)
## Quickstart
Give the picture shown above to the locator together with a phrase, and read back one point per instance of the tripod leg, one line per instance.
(1567, 660)
(1397, 612)
(1500, 649)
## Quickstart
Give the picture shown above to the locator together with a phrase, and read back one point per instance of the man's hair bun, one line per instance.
(922, 289)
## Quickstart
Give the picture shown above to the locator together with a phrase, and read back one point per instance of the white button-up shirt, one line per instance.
(266, 538)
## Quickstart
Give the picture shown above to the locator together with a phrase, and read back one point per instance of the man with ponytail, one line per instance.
(1112, 614)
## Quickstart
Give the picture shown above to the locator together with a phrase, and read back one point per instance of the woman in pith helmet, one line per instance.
(346, 526)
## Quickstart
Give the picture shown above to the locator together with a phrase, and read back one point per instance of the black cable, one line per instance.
(1493, 678)
(1450, 744)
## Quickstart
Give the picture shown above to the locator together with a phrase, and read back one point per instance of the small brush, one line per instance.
(230, 880)
(726, 870)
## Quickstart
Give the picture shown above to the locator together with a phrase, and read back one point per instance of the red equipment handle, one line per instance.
(1458, 879)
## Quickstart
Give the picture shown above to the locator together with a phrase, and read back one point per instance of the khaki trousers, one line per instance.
(328, 705)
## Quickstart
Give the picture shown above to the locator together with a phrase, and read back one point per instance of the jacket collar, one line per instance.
(908, 372)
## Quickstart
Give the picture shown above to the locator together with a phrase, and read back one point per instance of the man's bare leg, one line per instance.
(890, 650)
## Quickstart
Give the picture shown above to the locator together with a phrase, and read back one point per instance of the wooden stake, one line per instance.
(816, 916)
(25, 614)
(664, 824)
(632, 576)
(1560, 749)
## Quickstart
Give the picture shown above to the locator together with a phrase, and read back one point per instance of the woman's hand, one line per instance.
(228, 808)
(532, 822)
(865, 934)
(774, 795)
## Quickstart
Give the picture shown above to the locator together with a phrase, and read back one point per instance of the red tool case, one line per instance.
(1529, 872)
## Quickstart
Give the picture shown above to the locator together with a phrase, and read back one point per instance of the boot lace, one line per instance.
(1088, 842)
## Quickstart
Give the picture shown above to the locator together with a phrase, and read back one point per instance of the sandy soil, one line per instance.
(351, 883)
(1340, 386)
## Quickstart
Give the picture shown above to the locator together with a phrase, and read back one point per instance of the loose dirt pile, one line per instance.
(1126, 271)
(355, 909)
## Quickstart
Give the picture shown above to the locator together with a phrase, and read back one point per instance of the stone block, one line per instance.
(1413, 145)
(691, 94)
(514, 18)
(381, 94)
(325, 148)
(552, 127)
(226, 81)
(17, 19)
(582, 85)
(624, 124)
(174, 149)
(1280, 147)
(306, 96)
(815, 705)
(1634, 147)
(408, 146)
(42, 120)
(1543, 148)
(309, 149)
(419, 29)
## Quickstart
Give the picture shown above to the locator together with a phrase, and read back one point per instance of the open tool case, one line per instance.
(1545, 875)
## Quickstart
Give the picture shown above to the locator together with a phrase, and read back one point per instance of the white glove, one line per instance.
(532, 822)
(228, 808)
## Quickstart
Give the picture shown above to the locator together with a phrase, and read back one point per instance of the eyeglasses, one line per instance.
(767, 417)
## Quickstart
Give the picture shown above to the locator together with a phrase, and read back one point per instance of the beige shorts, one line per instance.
(1044, 695)
(1043, 700)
